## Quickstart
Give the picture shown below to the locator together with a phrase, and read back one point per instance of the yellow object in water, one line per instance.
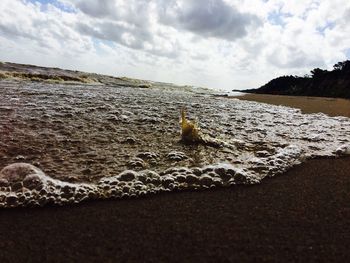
(189, 129)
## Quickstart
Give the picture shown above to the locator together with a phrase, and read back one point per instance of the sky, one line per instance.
(221, 44)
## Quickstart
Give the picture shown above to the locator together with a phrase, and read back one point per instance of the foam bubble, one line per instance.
(26, 185)
(23, 184)
(343, 150)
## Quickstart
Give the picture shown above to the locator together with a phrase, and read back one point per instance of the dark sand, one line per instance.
(330, 106)
(300, 216)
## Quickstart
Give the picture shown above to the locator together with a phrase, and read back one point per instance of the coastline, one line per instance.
(301, 215)
(331, 106)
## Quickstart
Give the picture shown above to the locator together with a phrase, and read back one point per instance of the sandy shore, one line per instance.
(330, 106)
(300, 216)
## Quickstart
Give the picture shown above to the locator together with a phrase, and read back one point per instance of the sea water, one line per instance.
(68, 143)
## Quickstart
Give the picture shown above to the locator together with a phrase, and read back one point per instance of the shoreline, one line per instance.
(331, 106)
(301, 215)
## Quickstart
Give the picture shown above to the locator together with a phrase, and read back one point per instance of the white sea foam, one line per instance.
(257, 141)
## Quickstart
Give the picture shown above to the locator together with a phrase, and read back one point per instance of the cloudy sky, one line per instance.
(227, 44)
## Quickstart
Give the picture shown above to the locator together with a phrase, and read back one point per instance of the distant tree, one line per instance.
(338, 66)
(317, 72)
(335, 83)
(342, 65)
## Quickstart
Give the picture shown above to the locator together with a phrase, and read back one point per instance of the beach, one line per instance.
(301, 215)
(330, 106)
(174, 131)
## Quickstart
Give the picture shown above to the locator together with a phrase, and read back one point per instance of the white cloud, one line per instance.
(217, 43)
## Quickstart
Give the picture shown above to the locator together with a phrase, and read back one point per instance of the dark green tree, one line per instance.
(344, 65)
(317, 72)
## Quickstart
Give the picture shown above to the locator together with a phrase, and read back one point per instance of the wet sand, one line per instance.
(330, 106)
(299, 216)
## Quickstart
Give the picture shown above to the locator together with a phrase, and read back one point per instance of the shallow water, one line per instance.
(105, 142)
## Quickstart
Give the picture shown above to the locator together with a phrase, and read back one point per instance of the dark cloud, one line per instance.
(134, 12)
(212, 18)
(128, 22)
(101, 8)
